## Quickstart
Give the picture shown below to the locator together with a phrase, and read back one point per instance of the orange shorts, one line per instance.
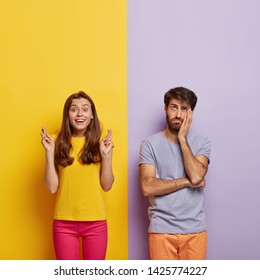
(178, 246)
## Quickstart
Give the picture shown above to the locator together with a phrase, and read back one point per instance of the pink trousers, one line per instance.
(66, 238)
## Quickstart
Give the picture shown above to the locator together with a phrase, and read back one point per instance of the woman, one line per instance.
(78, 167)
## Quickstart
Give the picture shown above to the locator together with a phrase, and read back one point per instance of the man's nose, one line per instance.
(178, 112)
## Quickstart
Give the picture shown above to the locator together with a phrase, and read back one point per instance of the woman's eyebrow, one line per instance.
(75, 105)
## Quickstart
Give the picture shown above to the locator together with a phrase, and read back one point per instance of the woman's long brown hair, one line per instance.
(90, 151)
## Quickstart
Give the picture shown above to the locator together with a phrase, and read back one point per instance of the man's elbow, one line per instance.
(195, 180)
(145, 189)
(197, 177)
(145, 192)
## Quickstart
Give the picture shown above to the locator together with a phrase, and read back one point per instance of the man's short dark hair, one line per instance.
(182, 94)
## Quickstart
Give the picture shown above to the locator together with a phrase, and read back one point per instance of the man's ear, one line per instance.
(165, 108)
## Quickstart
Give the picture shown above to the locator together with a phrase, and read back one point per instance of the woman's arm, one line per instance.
(106, 173)
(51, 174)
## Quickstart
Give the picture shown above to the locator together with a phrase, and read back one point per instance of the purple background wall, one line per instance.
(213, 48)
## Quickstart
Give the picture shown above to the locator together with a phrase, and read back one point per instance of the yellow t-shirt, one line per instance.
(79, 195)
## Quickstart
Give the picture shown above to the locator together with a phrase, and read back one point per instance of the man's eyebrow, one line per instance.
(182, 106)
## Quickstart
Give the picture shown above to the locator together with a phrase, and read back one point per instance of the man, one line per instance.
(173, 164)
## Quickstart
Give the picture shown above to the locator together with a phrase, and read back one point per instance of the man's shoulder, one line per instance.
(154, 137)
(194, 138)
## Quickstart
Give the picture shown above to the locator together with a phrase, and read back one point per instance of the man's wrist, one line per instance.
(182, 139)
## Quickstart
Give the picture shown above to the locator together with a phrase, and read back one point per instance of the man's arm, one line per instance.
(195, 166)
(150, 185)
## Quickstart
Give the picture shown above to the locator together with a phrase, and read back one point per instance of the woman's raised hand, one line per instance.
(106, 145)
(47, 141)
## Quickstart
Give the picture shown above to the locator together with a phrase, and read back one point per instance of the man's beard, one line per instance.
(173, 127)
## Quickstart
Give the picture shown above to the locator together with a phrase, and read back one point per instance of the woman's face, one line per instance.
(80, 115)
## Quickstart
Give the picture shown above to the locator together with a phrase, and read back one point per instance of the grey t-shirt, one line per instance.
(179, 212)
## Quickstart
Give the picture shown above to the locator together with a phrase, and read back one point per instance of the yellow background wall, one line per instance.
(49, 50)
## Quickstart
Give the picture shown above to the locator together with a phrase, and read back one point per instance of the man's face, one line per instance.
(175, 113)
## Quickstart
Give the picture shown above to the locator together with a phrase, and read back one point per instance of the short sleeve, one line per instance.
(147, 154)
(205, 148)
